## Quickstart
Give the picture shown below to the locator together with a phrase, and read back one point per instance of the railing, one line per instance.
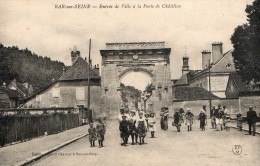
(22, 124)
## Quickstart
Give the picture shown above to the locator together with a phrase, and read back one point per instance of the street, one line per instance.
(170, 147)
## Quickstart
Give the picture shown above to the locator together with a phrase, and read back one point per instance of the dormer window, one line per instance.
(228, 65)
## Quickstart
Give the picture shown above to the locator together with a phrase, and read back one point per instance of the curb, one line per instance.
(44, 153)
(257, 132)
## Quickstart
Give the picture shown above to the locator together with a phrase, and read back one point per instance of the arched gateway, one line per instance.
(151, 58)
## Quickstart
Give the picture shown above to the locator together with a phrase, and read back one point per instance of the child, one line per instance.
(101, 130)
(132, 127)
(239, 121)
(141, 127)
(92, 135)
(189, 119)
(151, 124)
(124, 130)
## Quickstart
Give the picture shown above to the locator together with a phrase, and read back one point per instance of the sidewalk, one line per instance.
(233, 124)
(18, 153)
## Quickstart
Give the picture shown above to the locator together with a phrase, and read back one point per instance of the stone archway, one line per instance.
(151, 58)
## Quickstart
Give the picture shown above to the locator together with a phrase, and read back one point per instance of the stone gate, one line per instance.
(151, 58)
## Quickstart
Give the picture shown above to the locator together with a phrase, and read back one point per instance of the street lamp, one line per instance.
(210, 102)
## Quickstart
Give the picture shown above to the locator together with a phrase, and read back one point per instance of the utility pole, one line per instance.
(89, 112)
(210, 102)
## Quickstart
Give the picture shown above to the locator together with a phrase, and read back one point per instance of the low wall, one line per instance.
(15, 128)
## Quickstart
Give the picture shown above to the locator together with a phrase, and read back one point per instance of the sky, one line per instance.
(53, 32)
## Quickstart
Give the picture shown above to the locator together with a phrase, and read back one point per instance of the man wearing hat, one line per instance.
(251, 119)
(151, 124)
(124, 130)
(189, 119)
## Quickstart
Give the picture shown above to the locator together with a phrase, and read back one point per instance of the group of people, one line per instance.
(136, 124)
(180, 117)
(97, 133)
(219, 117)
(251, 120)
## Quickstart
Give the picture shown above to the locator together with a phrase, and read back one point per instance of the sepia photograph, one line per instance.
(130, 82)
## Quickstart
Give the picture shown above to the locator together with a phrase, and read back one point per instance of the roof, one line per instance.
(182, 81)
(242, 87)
(22, 88)
(193, 93)
(79, 71)
(12, 93)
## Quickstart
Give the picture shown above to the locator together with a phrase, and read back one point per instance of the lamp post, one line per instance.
(210, 102)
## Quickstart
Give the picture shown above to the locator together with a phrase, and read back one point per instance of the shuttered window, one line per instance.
(80, 93)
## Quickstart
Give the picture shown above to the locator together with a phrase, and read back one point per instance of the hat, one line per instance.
(250, 106)
(188, 109)
(141, 112)
(124, 116)
(133, 111)
(152, 113)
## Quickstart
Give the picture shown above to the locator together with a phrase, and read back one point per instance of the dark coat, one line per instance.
(251, 116)
(124, 128)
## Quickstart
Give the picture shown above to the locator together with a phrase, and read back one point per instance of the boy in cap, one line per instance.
(92, 135)
(189, 119)
(239, 121)
(124, 130)
(101, 130)
(151, 124)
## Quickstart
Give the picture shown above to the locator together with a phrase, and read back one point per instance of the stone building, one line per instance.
(221, 67)
(71, 89)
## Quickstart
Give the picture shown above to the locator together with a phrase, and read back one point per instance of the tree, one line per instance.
(246, 43)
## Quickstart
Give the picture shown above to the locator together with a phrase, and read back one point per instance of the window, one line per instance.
(228, 65)
(56, 92)
(80, 93)
(38, 98)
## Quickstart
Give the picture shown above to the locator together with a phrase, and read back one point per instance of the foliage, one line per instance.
(25, 66)
(246, 43)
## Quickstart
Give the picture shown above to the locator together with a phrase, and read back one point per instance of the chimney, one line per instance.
(74, 55)
(96, 68)
(206, 57)
(217, 51)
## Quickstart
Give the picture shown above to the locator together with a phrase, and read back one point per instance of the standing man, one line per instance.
(251, 119)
